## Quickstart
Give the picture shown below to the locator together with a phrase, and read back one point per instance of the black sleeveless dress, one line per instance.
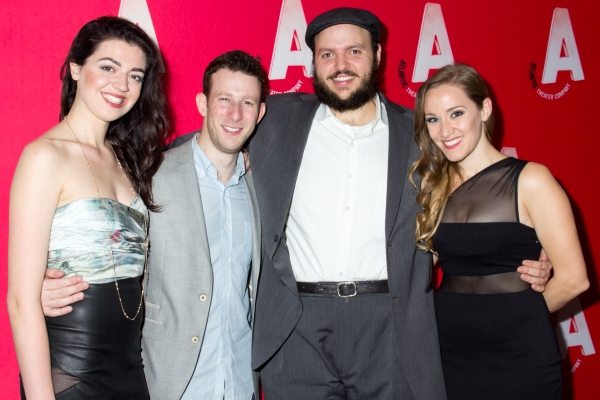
(496, 335)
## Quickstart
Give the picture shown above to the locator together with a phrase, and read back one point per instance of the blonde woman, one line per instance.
(483, 214)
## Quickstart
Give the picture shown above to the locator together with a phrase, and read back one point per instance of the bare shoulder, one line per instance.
(540, 192)
(537, 177)
(47, 155)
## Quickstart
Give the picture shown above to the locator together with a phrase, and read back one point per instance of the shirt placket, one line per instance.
(226, 294)
(218, 283)
(348, 204)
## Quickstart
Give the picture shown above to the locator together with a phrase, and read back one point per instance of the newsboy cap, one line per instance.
(343, 15)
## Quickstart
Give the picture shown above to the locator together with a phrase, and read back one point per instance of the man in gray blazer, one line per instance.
(204, 260)
(197, 333)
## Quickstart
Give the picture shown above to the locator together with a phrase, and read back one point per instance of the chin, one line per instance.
(453, 157)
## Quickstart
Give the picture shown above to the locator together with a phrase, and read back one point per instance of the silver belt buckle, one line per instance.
(346, 283)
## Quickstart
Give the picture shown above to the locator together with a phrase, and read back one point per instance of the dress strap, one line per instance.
(517, 172)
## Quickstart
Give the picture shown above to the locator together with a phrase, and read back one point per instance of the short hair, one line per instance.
(236, 61)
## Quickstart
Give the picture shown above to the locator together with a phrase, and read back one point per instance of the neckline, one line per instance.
(108, 199)
(490, 222)
(480, 172)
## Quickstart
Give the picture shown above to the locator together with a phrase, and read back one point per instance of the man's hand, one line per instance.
(536, 272)
(57, 294)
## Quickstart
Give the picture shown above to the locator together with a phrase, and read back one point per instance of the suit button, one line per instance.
(195, 339)
(203, 297)
(275, 238)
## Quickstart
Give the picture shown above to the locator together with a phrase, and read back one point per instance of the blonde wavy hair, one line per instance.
(436, 172)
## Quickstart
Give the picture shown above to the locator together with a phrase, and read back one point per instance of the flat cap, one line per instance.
(343, 15)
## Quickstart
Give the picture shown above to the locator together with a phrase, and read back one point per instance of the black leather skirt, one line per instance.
(95, 351)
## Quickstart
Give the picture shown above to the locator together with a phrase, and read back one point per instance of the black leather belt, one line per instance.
(343, 289)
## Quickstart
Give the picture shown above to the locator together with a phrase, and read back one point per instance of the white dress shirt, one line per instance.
(336, 226)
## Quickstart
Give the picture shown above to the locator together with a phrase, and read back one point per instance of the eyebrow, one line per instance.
(112, 60)
(449, 109)
(353, 46)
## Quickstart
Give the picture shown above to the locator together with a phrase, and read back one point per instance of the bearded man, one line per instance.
(344, 307)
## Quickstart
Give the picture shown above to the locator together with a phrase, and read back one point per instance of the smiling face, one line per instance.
(454, 122)
(345, 67)
(109, 83)
(231, 111)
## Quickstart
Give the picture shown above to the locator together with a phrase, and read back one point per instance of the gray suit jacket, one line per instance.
(276, 154)
(178, 287)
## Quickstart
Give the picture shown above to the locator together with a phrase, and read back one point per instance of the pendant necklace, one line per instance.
(108, 225)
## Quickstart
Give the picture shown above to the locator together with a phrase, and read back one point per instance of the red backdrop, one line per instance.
(543, 119)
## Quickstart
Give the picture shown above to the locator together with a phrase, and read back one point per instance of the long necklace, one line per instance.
(108, 225)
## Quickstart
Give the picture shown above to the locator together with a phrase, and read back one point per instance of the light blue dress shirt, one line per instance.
(223, 370)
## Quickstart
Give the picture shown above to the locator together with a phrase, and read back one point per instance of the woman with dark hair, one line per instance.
(79, 203)
(483, 214)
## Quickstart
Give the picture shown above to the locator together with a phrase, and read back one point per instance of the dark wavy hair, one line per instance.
(436, 171)
(236, 61)
(137, 136)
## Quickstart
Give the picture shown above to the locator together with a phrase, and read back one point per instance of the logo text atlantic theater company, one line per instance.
(561, 55)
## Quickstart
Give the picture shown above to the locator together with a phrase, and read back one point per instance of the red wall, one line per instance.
(500, 39)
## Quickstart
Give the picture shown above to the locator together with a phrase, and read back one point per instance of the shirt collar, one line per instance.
(205, 167)
(324, 112)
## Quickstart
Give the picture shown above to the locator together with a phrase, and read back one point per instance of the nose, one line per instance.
(445, 128)
(341, 63)
(120, 82)
(235, 112)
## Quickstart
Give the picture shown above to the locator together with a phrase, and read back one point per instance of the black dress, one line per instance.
(496, 335)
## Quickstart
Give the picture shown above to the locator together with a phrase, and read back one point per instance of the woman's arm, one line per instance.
(545, 206)
(34, 195)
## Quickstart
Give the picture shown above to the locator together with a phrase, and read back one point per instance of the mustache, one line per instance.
(343, 72)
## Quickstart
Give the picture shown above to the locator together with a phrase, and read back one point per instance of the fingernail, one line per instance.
(86, 285)
(79, 296)
(78, 279)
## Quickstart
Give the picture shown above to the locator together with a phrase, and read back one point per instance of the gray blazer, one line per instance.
(276, 154)
(178, 287)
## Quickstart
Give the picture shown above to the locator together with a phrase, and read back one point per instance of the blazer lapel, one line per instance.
(256, 253)
(400, 136)
(188, 173)
(285, 165)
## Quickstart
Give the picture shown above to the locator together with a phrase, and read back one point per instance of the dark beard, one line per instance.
(363, 94)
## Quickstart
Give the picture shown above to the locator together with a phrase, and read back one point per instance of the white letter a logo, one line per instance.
(561, 39)
(137, 11)
(434, 49)
(571, 315)
(291, 30)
